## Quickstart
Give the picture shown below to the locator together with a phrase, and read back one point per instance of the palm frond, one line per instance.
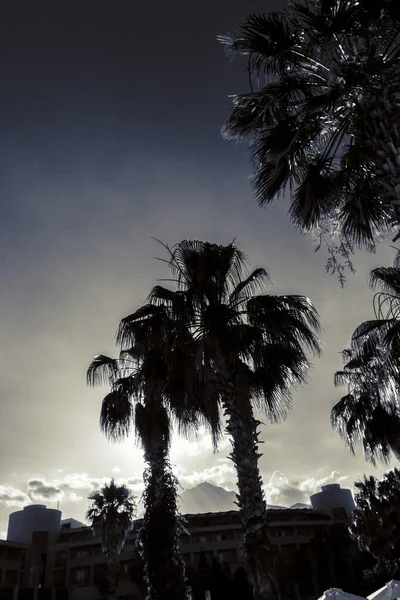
(102, 370)
(267, 40)
(116, 415)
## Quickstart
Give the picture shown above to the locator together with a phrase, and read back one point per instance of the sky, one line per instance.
(110, 118)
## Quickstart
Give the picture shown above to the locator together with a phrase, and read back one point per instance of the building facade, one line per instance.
(53, 559)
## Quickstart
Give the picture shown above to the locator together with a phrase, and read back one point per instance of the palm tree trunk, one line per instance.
(242, 428)
(112, 575)
(158, 540)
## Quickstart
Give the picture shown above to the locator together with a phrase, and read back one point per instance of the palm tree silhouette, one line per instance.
(248, 350)
(153, 385)
(111, 515)
(322, 114)
(370, 413)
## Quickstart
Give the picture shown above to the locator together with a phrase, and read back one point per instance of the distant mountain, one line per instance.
(207, 497)
(300, 505)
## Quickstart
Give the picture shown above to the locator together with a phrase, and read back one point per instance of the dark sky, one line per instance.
(110, 117)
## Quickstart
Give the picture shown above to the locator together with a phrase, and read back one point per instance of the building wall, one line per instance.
(69, 564)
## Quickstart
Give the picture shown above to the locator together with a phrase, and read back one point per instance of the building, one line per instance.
(47, 558)
(334, 501)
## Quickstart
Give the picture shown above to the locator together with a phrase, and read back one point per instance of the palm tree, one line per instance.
(367, 414)
(248, 350)
(370, 412)
(322, 114)
(111, 515)
(152, 385)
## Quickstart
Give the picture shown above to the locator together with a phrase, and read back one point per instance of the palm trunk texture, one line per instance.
(164, 569)
(112, 575)
(242, 429)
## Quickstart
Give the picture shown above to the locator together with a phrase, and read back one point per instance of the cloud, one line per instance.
(12, 497)
(281, 490)
(38, 490)
(116, 470)
(220, 474)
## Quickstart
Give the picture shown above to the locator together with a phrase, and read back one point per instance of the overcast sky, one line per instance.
(110, 134)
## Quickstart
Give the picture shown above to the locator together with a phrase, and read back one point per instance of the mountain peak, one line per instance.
(207, 497)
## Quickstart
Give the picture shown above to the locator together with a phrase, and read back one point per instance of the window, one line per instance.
(285, 531)
(61, 558)
(80, 575)
(203, 539)
(80, 552)
(220, 537)
(13, 554)
(40, 538)
(11, 577)
(59, 578)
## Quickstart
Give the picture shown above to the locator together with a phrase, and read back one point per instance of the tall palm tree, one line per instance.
(152, 385)
(249, 350)
(111, 515)
(321, 116)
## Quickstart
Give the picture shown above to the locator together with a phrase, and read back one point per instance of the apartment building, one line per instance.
(46, 558)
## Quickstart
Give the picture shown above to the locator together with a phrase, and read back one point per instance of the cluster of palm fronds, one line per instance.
(370, 412)
(214, 342)
(322, 114)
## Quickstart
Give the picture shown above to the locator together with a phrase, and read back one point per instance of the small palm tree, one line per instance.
(111, 515)
(248, 351)
(322, 114)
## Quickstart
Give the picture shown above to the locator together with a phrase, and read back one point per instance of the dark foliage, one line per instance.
(219, 579)
(369, 413)
(321, 117)
(377, 526)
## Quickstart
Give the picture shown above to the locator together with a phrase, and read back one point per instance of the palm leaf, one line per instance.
(116, 415)
(102, 370)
